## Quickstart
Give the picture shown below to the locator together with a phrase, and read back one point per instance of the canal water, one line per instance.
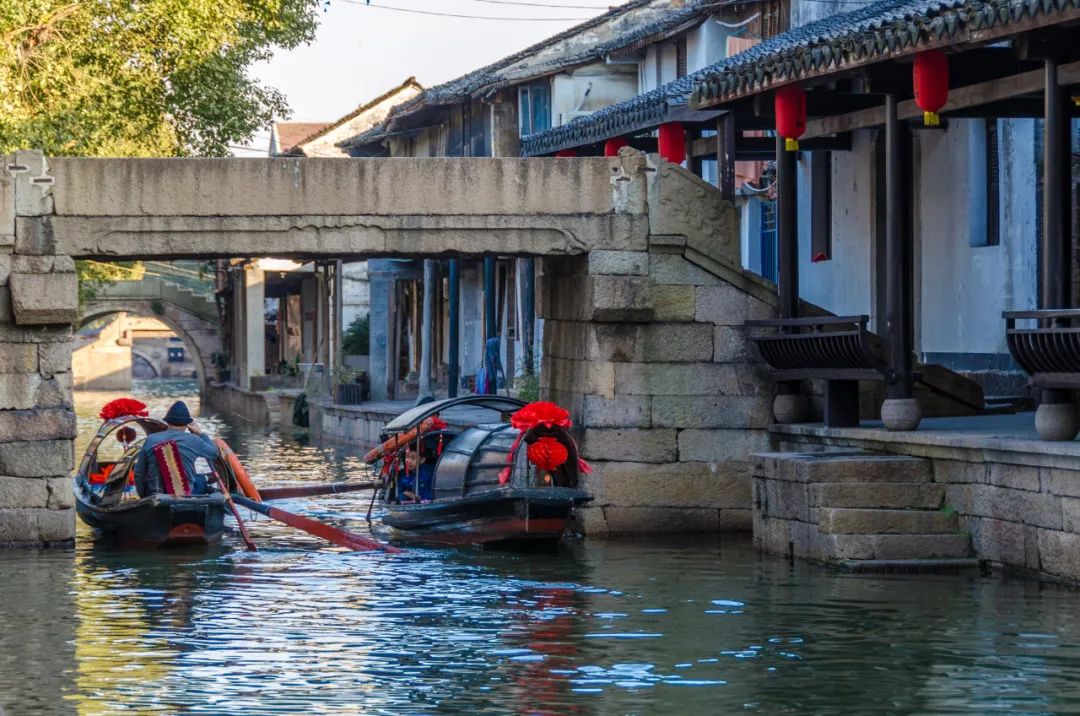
(699, 626)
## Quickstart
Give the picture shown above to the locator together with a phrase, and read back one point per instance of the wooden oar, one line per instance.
(337, 536)
(330, 488)
(236, 513)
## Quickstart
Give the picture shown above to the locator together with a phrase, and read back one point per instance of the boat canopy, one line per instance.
(149, 426)
(414, 416)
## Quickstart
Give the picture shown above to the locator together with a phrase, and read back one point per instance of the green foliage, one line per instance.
(152, 78)
(356, 341)
(528, 387)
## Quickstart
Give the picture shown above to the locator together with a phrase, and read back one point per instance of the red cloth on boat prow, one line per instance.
(174, 479)
(122, 407)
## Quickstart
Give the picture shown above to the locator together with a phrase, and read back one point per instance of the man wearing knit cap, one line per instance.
(169, 461)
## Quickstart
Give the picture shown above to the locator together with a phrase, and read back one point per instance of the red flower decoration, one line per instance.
(540, 413)
(122, 407)
(547, 453)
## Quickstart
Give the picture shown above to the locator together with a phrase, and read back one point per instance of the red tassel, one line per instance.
(504, 476)
(583, 467)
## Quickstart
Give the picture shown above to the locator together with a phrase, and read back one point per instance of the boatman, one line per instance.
(175, 461)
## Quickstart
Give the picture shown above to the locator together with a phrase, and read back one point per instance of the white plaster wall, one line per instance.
(706, 44)
(356, 292)
(605, 84)
(323, 146)
(806, 11)
(842, 285)
(965, 288)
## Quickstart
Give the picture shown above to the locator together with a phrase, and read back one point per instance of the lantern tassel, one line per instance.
(931, 119)
(792, 145)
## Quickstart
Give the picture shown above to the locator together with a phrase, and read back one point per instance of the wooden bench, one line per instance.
(1049, 352)
(836, 349)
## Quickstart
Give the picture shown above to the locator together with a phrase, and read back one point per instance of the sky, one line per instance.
(363, 50)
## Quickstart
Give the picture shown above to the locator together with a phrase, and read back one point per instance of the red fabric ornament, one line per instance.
(672, 142)
(930, 78)
(790, 108)
(547, 453)
(123, 407)
(543, 413)
(566, 153)
(613, 145)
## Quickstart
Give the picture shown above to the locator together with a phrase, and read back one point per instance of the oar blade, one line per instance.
(334, 535)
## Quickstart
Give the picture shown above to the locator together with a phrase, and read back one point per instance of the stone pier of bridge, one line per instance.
(639, 287)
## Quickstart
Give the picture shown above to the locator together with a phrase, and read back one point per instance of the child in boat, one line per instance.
(416, 463)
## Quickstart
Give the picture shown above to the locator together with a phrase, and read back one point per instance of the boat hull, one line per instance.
(509, 517)
(158, 520)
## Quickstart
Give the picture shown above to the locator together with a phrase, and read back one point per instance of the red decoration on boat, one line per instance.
(547, 453)
(790, 108)
(543, 413)
(566, 153)
(123, 407)
(818, 257)
(671, 142)
(930, 77)
(126, 435)
(613, 145)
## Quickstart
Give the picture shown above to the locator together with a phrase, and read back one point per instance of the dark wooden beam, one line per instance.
(761, 148)
(787, 230)
(725, 155)
(975, 95)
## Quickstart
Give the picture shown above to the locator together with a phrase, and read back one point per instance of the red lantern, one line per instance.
(672, 142)
(547, 453)
(613, 145)
(930, 78)
(790, 107)
(566, 153)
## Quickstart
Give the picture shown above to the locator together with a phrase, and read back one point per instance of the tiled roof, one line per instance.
(869, 33)
(875, 32)
(289, 134)
(410, 82)
(543, 58)
(632, 115)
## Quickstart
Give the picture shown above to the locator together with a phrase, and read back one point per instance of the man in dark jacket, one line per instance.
(175, 461)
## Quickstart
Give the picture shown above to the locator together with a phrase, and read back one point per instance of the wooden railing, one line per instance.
(1049, 351)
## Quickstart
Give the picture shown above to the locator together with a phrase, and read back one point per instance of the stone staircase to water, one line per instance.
(860, 510)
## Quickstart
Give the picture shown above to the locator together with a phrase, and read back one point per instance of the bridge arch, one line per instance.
(200, 337)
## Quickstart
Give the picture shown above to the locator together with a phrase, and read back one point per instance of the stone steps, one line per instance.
(881, 511)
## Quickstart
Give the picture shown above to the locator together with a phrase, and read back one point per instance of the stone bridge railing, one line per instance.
(156, 288)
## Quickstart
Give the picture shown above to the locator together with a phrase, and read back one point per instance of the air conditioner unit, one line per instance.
(567, 117)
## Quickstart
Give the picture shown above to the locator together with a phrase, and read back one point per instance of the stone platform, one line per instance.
(1016, 496)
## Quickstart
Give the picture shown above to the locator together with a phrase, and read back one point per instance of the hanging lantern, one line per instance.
(930, 76)
(566, 153)
(547, 453)
(613, 145)
(790, 107)
(672, 142)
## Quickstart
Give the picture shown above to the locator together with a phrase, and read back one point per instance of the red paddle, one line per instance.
(330, 488)
(340, 537)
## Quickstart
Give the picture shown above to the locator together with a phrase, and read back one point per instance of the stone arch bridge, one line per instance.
(640, 290)
(192, 316)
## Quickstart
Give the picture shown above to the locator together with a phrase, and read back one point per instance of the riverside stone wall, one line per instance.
(647, 350)
(38, 304)
(1019, 500)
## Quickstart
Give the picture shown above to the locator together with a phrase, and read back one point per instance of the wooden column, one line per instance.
(787, 234)
(897, 258)
(427, 327)
(454, 329)
(1056, 258)
(725, 155)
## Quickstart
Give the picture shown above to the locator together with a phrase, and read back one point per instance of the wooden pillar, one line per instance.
(427, 331)
(490, 330)
(454, 329)
(897, 258)
(787, 208)
(1056, 257)
(528, 312)
(725, 155)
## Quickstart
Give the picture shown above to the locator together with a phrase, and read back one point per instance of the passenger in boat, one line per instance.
(175, 461)
(416, 463)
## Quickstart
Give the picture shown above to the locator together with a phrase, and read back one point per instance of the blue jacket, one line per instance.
(427, 486)
(191, 446)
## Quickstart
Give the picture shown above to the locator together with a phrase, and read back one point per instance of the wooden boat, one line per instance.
(485, 490)
(106, 500)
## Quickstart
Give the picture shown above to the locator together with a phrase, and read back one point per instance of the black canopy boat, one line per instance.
(105, 496)
(499, 483)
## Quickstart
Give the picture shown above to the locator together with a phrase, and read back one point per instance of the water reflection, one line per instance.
(693, 626)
